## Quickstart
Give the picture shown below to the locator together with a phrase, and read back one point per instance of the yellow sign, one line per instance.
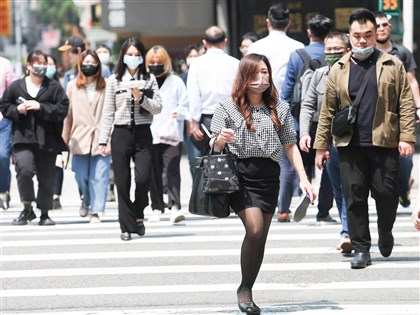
(390, 5)
(5, 20)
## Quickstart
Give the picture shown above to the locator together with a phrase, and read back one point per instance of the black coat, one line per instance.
(42, 127)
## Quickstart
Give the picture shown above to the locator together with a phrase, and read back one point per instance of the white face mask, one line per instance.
(363, 52)
(133, 61)
(104, 58)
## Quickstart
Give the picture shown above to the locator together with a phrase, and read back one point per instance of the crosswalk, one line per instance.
(77, 268)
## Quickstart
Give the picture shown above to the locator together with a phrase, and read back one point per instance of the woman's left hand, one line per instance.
(32, 105)
(307, 189)
(174, 114)
(137, 94)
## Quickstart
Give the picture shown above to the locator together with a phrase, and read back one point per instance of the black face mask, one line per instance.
(157, 70)
(89, 70)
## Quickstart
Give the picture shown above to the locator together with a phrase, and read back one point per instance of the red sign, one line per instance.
(5, 19)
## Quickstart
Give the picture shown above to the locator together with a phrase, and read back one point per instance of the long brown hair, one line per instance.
(248, 68)
(81, 78)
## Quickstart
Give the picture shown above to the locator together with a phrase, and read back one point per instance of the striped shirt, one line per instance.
(265, 141)
(117, 106)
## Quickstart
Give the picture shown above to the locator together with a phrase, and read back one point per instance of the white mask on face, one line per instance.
(104, 58)
(133, 61)
(363, 52)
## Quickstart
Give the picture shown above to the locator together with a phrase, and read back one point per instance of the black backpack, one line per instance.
(303, 79)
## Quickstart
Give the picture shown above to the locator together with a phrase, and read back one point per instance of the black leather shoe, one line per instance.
(250, 308)
(141, 229)
(361, 260)
(385, 243)
(125, 236)
(24, 217)
(46, 221)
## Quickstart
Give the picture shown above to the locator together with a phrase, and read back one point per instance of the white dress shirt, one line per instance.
(210, 81)
(277, 47)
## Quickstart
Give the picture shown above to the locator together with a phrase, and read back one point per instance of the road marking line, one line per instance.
(184, 253)
(148, 239)
(281, 287)
(71, 272)
(286, 309)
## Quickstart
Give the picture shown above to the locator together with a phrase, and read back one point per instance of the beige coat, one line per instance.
(394, 117)
(82, 124)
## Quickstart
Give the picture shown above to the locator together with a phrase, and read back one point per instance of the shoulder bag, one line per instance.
(343, 121)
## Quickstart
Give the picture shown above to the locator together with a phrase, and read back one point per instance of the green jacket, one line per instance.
(394, 117)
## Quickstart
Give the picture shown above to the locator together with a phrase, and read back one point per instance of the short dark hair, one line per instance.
(279, 16)
(252, 36)
(320, 26)
(380, 14)
(339, 35)
(188, 49)
(104, 46)
(362, 16)
(36, 55)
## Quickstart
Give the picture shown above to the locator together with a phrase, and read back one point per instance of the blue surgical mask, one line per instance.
(133, 61)
(362, 52)
(51, 70)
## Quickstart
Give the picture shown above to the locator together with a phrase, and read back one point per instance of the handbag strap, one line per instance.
(225, 148)
(356, 102)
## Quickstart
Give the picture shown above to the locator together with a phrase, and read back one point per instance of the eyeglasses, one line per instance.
(331, 49)
(383, 25)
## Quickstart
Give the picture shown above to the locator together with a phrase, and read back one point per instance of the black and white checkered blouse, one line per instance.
(265, 141)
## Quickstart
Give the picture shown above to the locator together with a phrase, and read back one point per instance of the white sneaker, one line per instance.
(155, 217)
(176, 215)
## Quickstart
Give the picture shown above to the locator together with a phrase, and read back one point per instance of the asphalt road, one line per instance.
(193, 267)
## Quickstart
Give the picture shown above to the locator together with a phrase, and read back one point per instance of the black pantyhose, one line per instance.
(257, 224)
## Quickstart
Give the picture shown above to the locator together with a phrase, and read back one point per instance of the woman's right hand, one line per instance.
(102, 148)
(227, 135)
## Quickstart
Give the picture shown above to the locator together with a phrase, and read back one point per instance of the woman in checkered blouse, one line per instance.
(255, 125)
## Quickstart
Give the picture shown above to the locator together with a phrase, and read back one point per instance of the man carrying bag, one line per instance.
(383, 129)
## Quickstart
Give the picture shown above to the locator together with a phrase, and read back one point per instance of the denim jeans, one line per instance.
(289, 182)
(92, 176)
(404, 173)
(334, 174)
(5, 143)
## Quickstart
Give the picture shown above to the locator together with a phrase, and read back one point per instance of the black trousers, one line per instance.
(31, 160)
(365, 169)
(166, 158)
(131, 144)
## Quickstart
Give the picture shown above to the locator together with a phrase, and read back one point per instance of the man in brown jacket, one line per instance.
(384, 128)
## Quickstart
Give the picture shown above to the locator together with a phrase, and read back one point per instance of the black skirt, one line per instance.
(259, 185)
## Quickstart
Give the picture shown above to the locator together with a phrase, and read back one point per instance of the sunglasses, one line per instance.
(383, 25)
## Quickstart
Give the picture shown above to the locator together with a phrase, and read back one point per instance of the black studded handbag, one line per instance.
(212, 205)
(221, 175)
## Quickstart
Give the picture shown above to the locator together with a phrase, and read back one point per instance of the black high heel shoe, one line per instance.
(250, 308)
(141, 229)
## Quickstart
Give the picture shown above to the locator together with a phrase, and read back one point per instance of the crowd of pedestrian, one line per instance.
(139, 112)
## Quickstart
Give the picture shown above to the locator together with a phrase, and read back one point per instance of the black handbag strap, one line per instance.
(356, 102)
